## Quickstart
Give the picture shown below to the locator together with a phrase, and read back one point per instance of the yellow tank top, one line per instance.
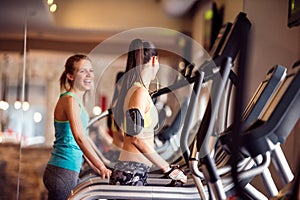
(150, 117)
(150, 121)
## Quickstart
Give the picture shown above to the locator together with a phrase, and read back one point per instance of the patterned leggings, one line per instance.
(129, 173)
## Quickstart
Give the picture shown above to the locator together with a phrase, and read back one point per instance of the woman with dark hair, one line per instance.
(136, 114)
(70, 121)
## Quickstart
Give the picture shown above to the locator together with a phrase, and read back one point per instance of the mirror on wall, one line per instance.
(26, 119)
(10, 135)
(14, 80)
(25, 98)
(22, 115)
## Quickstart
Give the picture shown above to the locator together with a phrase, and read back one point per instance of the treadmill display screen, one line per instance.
(268, 110)
(254, 99)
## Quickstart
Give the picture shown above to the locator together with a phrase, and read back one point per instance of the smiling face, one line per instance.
(84, 75)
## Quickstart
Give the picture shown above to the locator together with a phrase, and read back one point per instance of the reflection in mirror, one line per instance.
(9, 139)
(12, 121)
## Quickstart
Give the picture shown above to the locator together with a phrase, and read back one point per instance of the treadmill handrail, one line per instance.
(189, 114)
(207, 125)
(99, 117)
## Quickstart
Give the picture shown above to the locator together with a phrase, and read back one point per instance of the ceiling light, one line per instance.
(53, 8)
(4, 105)
(25, 106)
(49, 2)
(17, 104)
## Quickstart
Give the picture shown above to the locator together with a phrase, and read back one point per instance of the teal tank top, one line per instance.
(66, 153)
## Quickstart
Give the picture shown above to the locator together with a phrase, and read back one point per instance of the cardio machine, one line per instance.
(267, 122)
(265, 135)
(161, 192)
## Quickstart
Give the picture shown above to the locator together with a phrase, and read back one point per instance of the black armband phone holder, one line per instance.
(134, 121)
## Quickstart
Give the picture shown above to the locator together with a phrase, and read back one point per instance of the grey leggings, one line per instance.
(59, 182)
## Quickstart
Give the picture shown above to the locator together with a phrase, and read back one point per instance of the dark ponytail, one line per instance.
(131, 75)
(139, 53)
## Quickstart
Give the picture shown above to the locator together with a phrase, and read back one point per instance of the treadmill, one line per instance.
(262, 95)
(254, 109)
(202, 143)
(93, 190)
(264, 136)
(258, 102)
(227, 44)
(90, 188)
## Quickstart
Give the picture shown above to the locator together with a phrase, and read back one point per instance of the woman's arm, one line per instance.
(147, 150)
(72, 110)
(150, 153)
(139, 100)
